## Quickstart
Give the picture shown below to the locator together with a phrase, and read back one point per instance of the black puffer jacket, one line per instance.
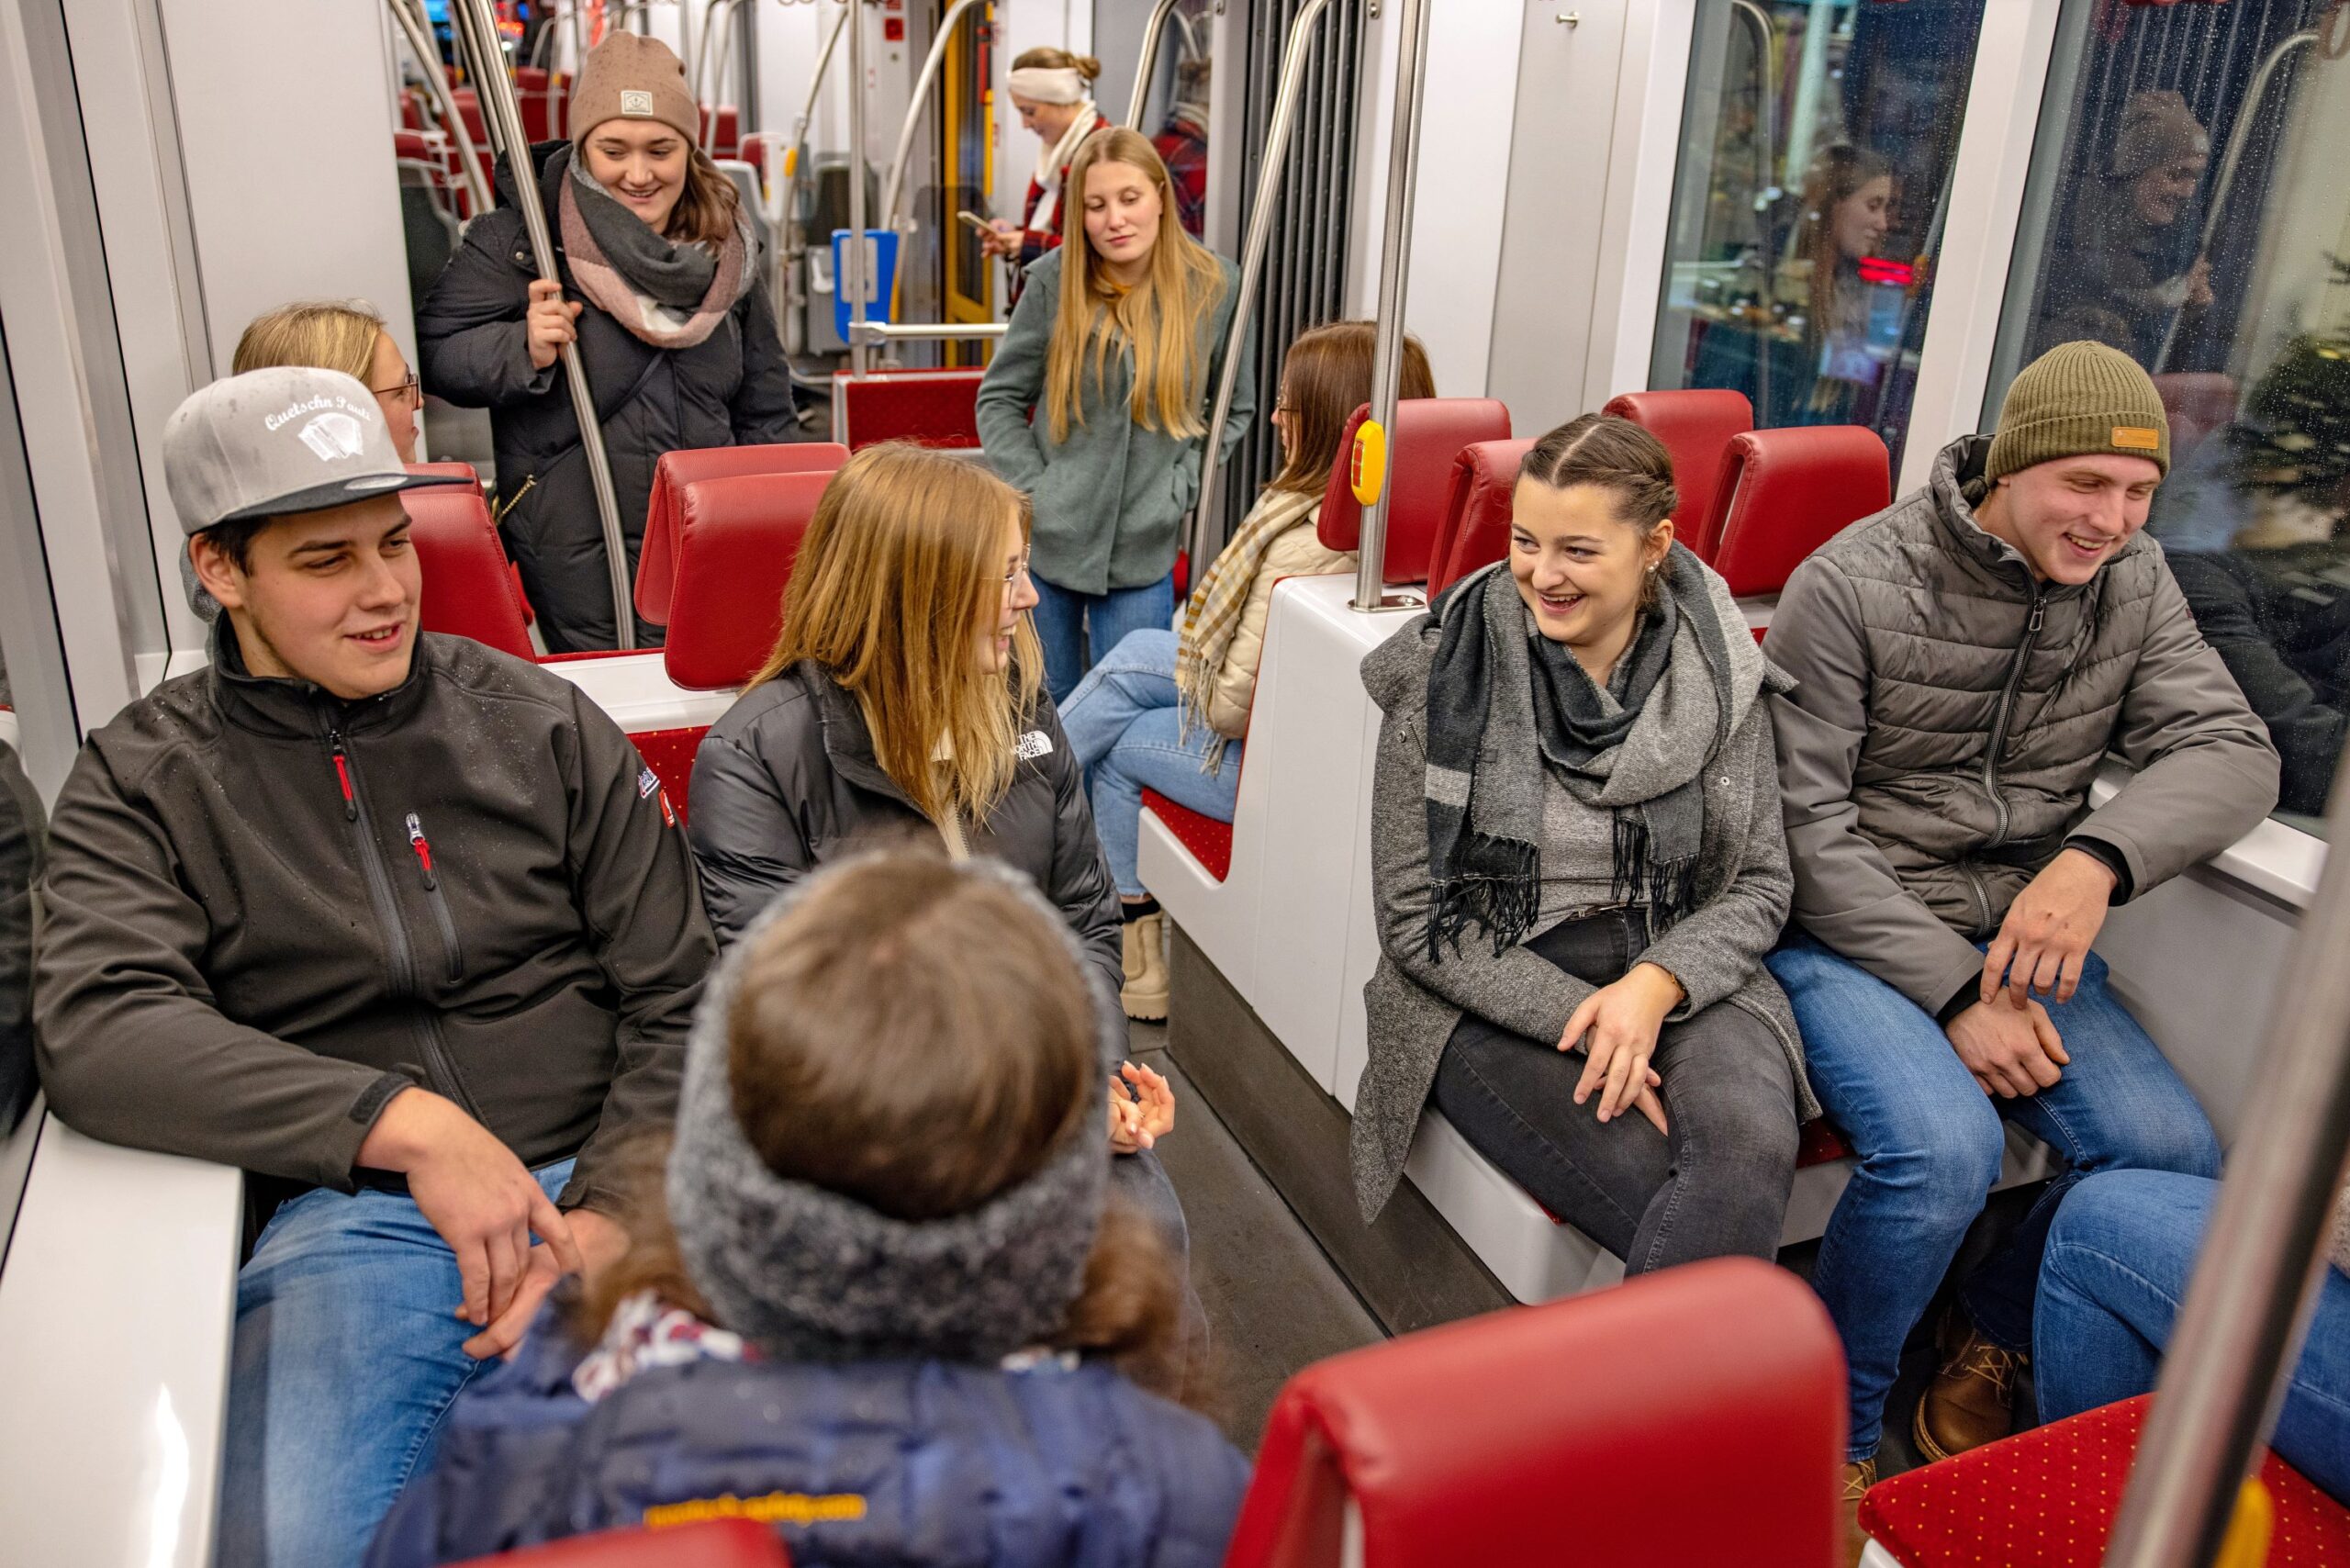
(733, 388)
(787, 781)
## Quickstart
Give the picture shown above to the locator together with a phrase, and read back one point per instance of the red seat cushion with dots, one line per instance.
(2047, 1498)
(1209, 840)
(707, 1543)
(1819, 1143)
(670, 755)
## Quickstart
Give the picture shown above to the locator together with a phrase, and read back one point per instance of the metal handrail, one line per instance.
(794, 244)
(428, 57)
(2222, 187)
(479, 30)
(1395, 279)
(1252, 264)
(709, 21)
(2248, 1303)
(893, 190)
(1766, 194)
(1148, 65)
(858, 274)
(933, 331)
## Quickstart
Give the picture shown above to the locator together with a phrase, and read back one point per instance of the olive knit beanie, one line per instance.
(630, 76)
(2077, 398)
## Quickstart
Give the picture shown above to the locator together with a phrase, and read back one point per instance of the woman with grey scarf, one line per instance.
(1578, 864)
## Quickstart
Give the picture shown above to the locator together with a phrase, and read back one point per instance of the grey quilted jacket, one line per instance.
(1950, 712)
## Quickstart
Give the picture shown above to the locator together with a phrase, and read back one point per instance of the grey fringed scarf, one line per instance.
(808, 1274)
(1504, 703)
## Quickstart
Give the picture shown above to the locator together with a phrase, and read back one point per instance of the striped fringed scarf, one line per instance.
(665, 293)
(1213, 613)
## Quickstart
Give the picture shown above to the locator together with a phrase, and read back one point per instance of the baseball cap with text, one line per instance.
(279, 442)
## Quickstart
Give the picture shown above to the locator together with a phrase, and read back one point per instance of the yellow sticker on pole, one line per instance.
(2250, 1529)
(1367, 474)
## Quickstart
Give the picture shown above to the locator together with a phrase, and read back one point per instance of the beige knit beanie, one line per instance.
(2077, 398)
(630, 76)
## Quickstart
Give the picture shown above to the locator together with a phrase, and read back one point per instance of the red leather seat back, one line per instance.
(1477, 510)
(2049, 1498)
(1429, 432)
(454, 470)
(1626, 1426)
(929, 408)
(1786, 492)
(737, 540)
(656, 564)
(469, 584)
(1695, 426)
(708, 1543)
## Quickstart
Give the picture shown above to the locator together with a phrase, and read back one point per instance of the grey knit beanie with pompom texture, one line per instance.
(808, 1274)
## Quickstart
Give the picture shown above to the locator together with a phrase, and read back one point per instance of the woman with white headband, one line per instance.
(1053, 90)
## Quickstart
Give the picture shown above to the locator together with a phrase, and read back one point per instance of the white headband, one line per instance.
(1049, 83)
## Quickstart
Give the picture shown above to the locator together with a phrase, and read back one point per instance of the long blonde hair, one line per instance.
(897, 568)
(325, 334)
(1158, 320)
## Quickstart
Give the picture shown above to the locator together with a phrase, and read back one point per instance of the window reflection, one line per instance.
(2194, 215)
(1818, 144)
(1182, 137)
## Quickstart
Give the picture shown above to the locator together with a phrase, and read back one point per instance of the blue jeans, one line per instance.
(1929, 1142)
(2119, 1256)
(1125, 732)
(346, 1358)
(1063, 619)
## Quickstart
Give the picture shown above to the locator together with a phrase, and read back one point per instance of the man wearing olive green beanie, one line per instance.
(1964, 662)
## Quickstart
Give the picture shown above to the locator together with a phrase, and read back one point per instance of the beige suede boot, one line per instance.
(1145, 995)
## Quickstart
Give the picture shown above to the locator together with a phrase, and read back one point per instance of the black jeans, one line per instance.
(1716, 1186)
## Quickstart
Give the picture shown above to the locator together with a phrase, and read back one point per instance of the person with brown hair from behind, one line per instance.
(883, 1299)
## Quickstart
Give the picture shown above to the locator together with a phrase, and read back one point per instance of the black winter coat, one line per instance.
(733, 388)
(787, 781)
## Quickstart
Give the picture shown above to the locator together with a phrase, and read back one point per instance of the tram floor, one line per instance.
(1274, 1303)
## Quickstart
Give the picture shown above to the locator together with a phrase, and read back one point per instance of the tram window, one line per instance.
(1818, 142)
(2186, 206)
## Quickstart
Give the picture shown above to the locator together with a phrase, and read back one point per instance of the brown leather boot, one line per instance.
(1971, 1399)
(1145, 995)
(1859, 1476)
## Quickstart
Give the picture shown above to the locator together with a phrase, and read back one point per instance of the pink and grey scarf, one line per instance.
(670, 295)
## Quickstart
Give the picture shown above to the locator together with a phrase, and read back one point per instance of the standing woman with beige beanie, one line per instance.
(659, 286)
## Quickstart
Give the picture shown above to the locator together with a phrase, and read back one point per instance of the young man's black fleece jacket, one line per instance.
(268, 910)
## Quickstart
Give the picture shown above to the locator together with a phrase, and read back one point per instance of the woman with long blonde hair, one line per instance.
(348, 335)
(903, 696)
(1116, 349)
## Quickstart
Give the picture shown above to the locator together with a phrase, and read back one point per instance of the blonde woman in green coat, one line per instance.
(1116, 348)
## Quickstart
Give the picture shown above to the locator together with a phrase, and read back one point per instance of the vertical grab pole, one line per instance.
(1147, 66)
(893, 189)
(2248, 1303)
(1252, 266)
(1375, 458)
(504, 118)
(428, 57)
(857, 276)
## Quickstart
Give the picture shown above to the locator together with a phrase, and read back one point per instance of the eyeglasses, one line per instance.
(1011, 578)
(406, 391)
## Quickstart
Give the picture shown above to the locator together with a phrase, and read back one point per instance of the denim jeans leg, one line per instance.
(1131, 679)
(1928, 1144)
(2119, 1106)
(1729, 1098)
(2119, 1256)
(346, 1356)
(1150, 608)
(1059, 620)
(1152, 754)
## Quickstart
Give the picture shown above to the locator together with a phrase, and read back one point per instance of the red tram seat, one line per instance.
(1209, 841)
(670, 755)
(1783, 493)
(2047, 1498)
(2197, 403)
(469, 586)
(708, 1543)
(1477, 510)
(656, 565)
(737, 537)
(1550, 1434)
(1695, 426)
(721, 130)
(929, 408)
(1429, 433)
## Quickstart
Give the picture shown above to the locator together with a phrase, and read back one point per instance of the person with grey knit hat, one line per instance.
(1964, 663)
(2126, 273)
(880, 1297)
(659, 286)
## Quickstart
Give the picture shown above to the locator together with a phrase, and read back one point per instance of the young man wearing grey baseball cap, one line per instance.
(398, 924)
